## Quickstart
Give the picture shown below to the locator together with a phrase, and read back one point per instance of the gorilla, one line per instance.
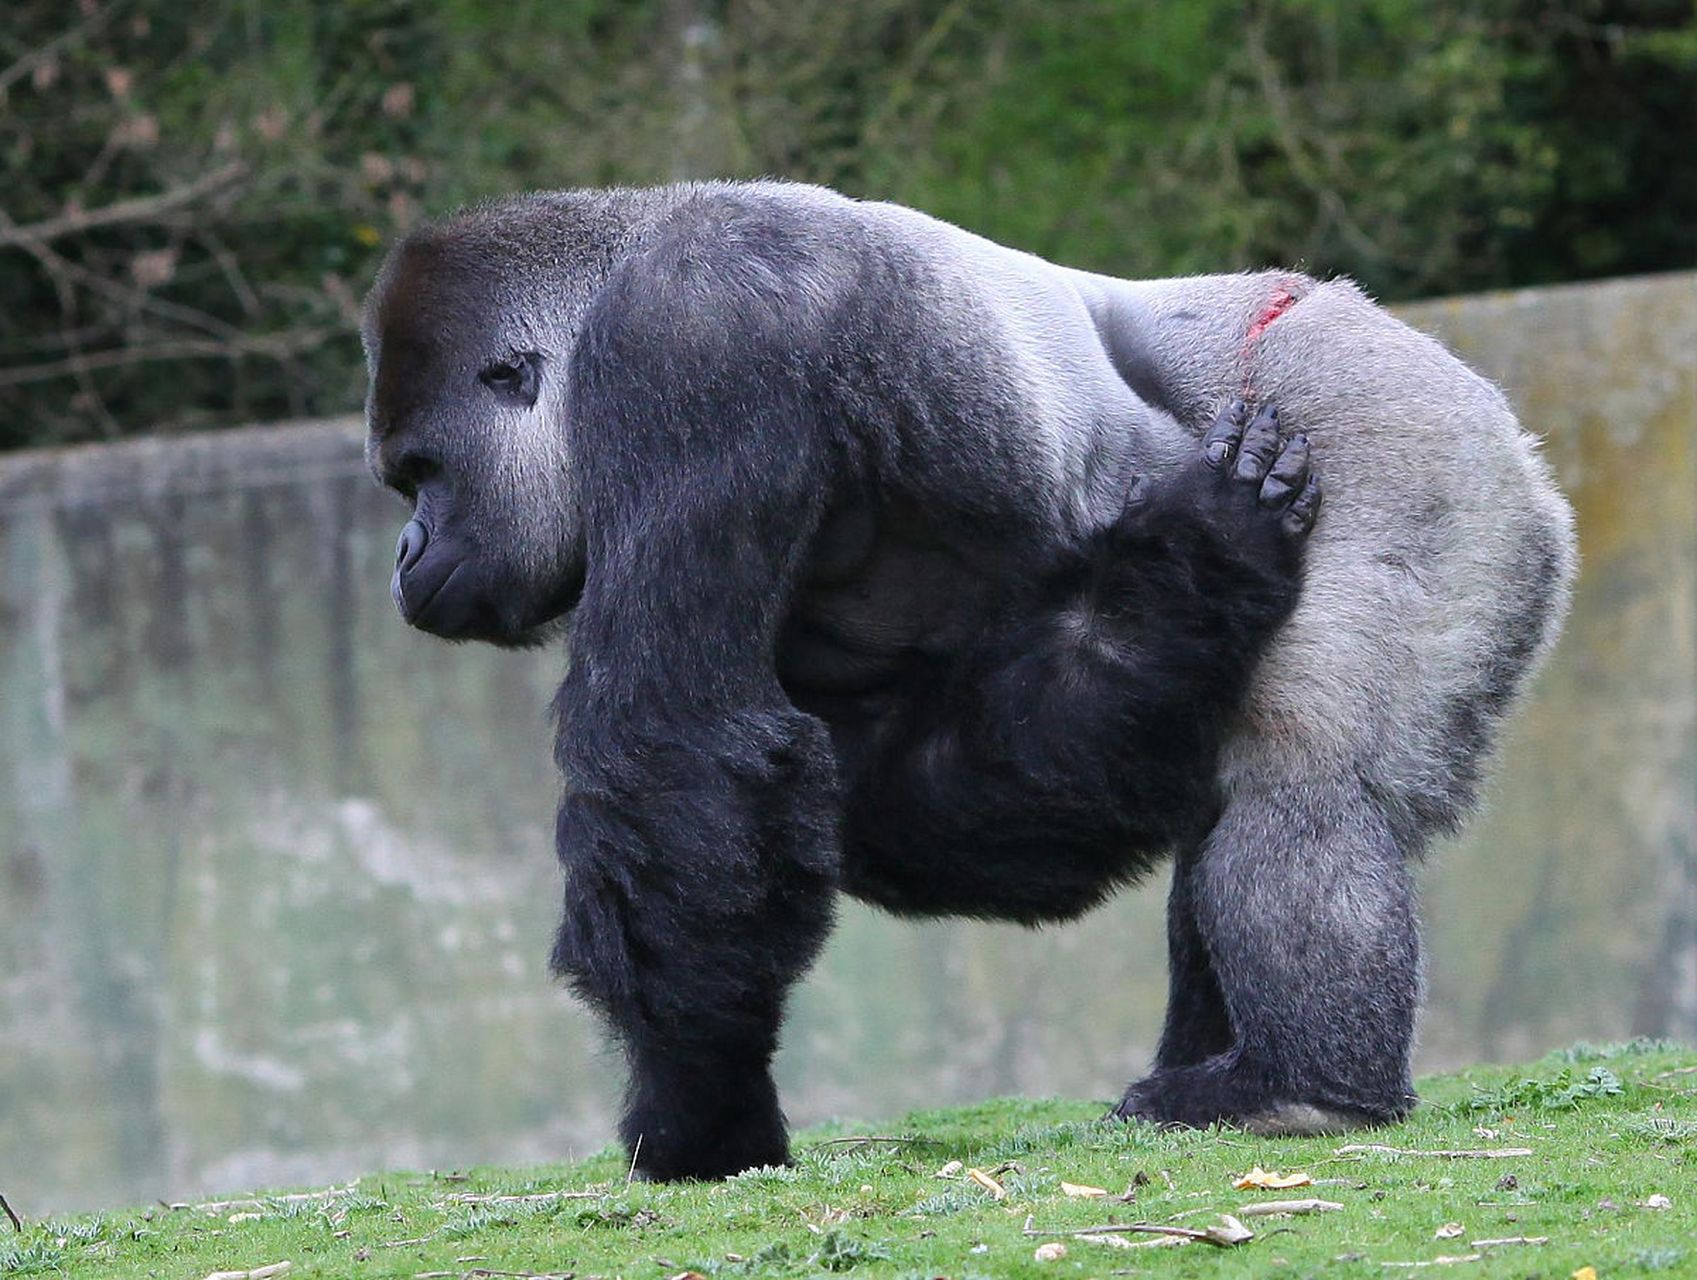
(894, 562)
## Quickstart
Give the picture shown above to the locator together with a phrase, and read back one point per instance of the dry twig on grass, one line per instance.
(1441, 1260)
(864, 1138)
(1229, 1232)
(11, 1214)
(1502, 1240)
(1264, 1208)
(1482, 1153)
(258, 1273)
(295, 1197)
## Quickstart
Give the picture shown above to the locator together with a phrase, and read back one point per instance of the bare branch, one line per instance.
(140, 299)
(276, 346)
(31, 60)
(137, 209)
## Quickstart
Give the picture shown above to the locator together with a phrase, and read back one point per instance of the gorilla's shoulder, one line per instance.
(738, 262)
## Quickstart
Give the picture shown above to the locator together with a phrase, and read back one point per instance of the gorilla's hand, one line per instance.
(1255, 466)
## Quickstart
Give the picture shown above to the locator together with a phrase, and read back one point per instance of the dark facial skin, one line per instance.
(466, 423)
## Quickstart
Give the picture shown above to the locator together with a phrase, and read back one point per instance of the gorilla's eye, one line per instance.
(519, 377)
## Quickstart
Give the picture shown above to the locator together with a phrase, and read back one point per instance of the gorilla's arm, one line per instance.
(699, 828)
(1080, 738)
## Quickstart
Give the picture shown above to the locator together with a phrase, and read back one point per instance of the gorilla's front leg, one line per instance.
(1303, 902)
(700, 871)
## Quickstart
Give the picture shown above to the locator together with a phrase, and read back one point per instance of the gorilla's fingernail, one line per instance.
(1218, 452)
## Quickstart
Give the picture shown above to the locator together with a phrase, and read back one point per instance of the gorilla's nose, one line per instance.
(408, 552)
(411, 546)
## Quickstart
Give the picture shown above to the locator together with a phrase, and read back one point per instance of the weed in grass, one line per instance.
(1661, 1128)
(1559, 1093)
(839, 1251)
(954, 1200)
(30, 1259)
(1656, 1259)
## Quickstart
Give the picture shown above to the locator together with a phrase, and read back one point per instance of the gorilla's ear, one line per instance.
(702, 470)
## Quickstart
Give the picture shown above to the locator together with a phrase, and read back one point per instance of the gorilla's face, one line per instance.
(466, 416)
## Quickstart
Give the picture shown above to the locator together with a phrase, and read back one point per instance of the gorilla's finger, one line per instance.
(1222, 438)
(1289, 473)
(1298, 518)
(1260, 445)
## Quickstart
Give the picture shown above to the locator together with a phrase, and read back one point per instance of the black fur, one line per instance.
(1075, 742)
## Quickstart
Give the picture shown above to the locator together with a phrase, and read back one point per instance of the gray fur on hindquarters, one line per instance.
(1434, 587)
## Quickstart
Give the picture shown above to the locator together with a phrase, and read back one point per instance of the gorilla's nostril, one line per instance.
(411, 545)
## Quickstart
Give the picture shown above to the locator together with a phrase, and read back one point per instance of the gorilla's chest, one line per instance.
(858, 635)
(884, 594)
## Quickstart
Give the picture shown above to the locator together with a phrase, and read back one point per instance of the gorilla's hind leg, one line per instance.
(1305, 907)
(1196, 1025)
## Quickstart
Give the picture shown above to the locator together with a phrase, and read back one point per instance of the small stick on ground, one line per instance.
(11, 1214)
(299, 1197)
(864, 1138)
(1107, 1228)
(1441, 1261)
(1224, 1236)
(1264, 1207)
(1482, 1153)
(1487, 1244)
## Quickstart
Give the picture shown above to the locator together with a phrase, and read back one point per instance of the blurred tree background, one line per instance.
(193, 196)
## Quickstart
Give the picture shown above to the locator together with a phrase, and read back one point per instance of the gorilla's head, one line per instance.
(468, 334)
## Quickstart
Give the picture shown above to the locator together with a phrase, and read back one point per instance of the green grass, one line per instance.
(1609, 1128)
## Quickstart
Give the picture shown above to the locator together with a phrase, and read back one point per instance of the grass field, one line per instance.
(1587, 1158)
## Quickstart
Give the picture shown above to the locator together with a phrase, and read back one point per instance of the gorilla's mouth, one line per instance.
(417, 611)
(439, 588)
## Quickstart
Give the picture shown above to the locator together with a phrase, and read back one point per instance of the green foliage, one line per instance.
(1421, 145)
(1560, 1092)
(841, 1252)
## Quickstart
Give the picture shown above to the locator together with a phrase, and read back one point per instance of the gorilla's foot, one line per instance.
(710, 1127)
(1223, 1090)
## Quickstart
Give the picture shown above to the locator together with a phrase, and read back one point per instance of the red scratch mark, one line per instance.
(1283, 299)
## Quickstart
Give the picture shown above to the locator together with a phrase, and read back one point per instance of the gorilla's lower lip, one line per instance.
(416, 614)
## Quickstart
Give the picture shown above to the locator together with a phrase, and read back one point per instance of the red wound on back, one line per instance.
(1283, 300)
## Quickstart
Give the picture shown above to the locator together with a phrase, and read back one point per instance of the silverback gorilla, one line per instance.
(895, 562)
